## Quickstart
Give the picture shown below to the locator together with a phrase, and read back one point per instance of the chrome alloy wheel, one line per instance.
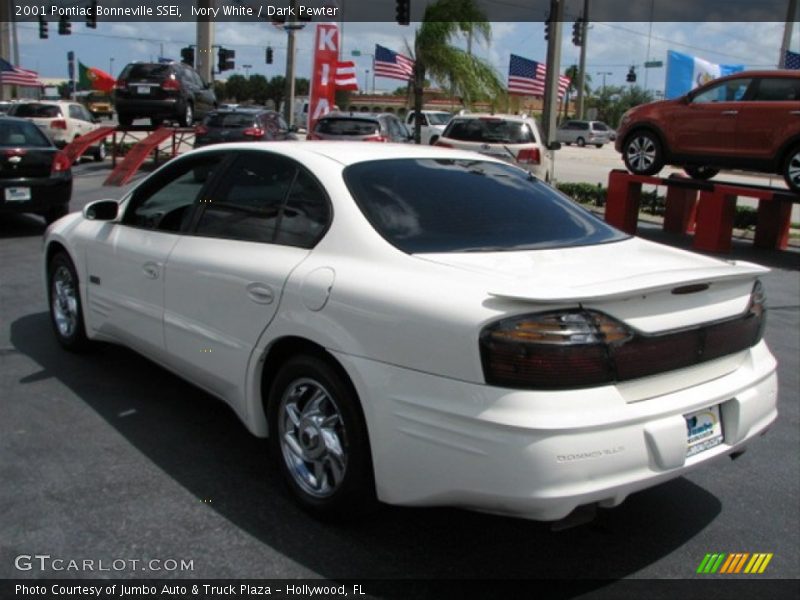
(793, 170)
(312, 437)
(64, 301)
(641, 153)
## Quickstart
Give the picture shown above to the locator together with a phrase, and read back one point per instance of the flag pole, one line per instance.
(787, 33)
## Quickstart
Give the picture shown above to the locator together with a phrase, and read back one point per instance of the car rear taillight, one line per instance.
(529, 156)
(170, 83)
(375, 138)
(200, 130)
(58, 124)
(15, 152)
(581, 348)
(61, 163)
(121, 84)
(254, 132)
(443, 144)
(312, 136)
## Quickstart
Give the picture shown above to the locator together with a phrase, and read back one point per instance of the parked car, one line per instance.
(432, 126)
(35, 176)
(749, 120)
(100, 105)
(512, 138)
(428, 326)
(62, 122)
(360, 127)
(162, 91)
(242, 125)
(581, 133)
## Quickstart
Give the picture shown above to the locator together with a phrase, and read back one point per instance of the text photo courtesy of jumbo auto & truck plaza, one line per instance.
(295, 365)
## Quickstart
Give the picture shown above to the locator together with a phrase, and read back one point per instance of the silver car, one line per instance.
(584, 132)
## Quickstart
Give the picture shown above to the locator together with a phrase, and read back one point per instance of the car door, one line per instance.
(126, 261)
(225, 280)
(706, 123)
(769, 117)
(77, 122)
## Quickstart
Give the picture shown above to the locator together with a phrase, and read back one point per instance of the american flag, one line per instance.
(346, 78)
(11, 75)
(392, 65)
(792, 60)
(528, 77)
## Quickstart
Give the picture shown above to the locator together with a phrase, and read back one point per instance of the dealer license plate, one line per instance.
(143, 89)
(18, 194)
(703, 430)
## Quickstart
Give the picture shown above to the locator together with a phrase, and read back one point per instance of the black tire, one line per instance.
(124, 120)
(100, 152)
(581, 142)
(700, 172)
(642, 153)
(55, 213)
(329, 484)
(433, 140)
(187, 117)
(155, 122)
(64, 299)
(599, 145)
(791, 169)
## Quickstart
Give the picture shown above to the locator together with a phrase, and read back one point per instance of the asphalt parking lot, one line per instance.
(106, 456)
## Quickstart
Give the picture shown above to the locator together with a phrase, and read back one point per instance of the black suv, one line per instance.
(162, 91)
(245, 124)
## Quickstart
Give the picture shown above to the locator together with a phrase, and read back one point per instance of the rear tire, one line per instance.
(100, 152)
(581, 142)
(700, 172)
(642, 153)
(599, 145)
(124, 120)
(791, 169)
(66, 312)
(187, 118)
(318, 439)
(433, 140)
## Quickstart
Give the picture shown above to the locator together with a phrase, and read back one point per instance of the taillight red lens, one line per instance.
(58, 124)
(582, 348)
(171, 84)
(312, 136)
(61, 163)
(121, 84)
(254, 132)
(529, 156)
(443, 144)
(200, 130)
(375, 138)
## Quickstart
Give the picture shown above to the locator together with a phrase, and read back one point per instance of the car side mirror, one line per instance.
(101, 210)
(554, 146)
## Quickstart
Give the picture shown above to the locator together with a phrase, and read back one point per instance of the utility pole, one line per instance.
(5, 40)
(205, 41)
(550, 111)
(582, 65)
(787, 32)
(288, 93)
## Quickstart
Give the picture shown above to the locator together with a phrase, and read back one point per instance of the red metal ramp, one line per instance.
(75, 149)
(123, 172)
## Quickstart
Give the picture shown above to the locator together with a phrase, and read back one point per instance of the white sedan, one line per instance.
(421, 326)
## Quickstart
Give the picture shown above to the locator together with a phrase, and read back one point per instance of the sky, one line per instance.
(612, 47)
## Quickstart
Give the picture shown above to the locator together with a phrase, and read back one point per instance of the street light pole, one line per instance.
(604, 73)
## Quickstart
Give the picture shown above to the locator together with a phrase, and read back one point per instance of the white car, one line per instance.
(512, 138)
(62, 122)
(420, 325)
(432, 125)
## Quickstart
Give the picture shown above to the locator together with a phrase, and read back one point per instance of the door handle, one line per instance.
(151, 270)
(260, 293)
(730, 112)
(794, 112)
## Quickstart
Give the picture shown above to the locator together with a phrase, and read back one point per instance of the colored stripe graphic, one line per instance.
(723, 563)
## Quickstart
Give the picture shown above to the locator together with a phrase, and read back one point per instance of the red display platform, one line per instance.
(706, 208)
(164, 139)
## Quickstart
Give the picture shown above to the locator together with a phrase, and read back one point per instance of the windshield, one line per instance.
(445, 205)
(489, 130)
(230, 120)
(347, 126)
(441, 118)
(146, 71)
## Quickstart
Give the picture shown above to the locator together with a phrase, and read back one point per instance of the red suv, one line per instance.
(750, 121)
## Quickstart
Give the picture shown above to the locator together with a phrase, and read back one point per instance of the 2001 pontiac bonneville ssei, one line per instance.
(420, 325)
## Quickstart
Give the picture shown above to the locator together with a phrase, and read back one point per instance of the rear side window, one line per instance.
(778, 89)
(347, 126)
(436, 205)
(22, 135)
(41, 111)
(599, 127)
(490, 131)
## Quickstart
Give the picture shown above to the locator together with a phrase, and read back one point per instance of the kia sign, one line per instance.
(323, 86)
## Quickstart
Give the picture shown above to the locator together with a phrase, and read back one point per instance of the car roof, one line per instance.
(348, 153)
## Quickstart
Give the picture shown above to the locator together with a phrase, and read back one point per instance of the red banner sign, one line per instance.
(323, 84)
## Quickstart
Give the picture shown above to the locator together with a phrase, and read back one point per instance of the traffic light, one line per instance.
(403, 12)
(631, 78)
(547, 25)
(64, 26)
(42, 29)
(269, 55)
(577, 32)
(225, 59)
(187, 56)
(91, 15)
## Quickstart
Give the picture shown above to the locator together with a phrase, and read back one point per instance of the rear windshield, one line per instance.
(146, 71)
(347, 126)
(230, 120)
(44, 111)
(22, 134)
(439, 118)
(491, 131)
(436, 205)
(599, 127)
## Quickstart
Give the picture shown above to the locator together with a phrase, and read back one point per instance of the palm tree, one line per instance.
(572, 72)
(468, 75)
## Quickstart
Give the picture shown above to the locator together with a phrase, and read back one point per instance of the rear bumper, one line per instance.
(438, 441)
(46, 194)
(137, 107)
